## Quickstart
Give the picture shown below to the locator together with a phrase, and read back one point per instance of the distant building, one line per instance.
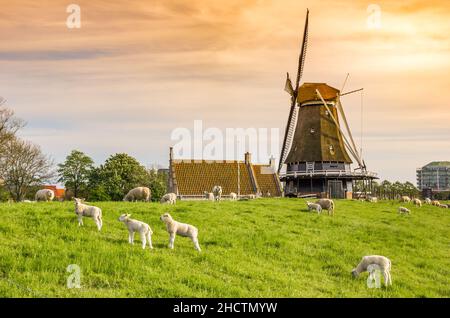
(435, 176)
(189, 179)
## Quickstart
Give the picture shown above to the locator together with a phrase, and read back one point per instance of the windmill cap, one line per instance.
(307, 92)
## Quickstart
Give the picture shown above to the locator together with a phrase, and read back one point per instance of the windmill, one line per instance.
(317, 152)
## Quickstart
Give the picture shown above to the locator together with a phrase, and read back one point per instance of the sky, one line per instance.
(136, 70)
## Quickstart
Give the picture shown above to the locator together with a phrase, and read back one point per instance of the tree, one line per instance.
(157, 183)
(119, 174)
(75, 171)
(22, 166)
(9, 125)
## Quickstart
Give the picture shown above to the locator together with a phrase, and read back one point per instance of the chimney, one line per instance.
(272, 163)
(248, 158)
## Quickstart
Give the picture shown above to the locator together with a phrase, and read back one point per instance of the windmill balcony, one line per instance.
(329, 173)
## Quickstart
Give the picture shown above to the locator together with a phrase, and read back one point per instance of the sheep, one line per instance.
(314, 206)
(327, 204)
(252, 196)
(372, 199)
(217, 191)
(444, 206)
(372, 262)
(88, 211)
(233, 196)
(405, 199)
(435, 203)
(145, 232)
(44, 195)
(427, 201)
(138, 194)
(209, 196)
(169, 198)
(403, 210)
(417, 202)
(28, 201)
(182, 229)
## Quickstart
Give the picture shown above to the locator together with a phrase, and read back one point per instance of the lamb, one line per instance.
(169, 198)
(403, 210)
(405, 199)
(435, 203)
(88, 211)
(444, 206)
(233, 196)
(209, 196)
(327, 204)
(372, 199)
(417, 202)
(138, 194)
(145, 232)
(427, 201)
(314, 206)
(44, 195)
(182, 229)
(375, 261)
(217, 191)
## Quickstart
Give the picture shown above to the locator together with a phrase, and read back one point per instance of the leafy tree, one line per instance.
(75, 171)
(157, 183)
(9, 125)
(119, 174)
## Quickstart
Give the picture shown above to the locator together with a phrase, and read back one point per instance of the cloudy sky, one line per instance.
(136, 70)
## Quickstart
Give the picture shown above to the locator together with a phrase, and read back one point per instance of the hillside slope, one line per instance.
(260, 248)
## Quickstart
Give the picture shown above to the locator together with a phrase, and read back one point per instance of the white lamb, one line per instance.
(327, 204)
(375, 261)
(405, 199)
(372, 199)
(169, 198)
(209, 196)
(44, 195)
(233, 196)
(88, 211)
(145, 232)
(314, 206)
(217, 192)
(138, 194)
(435, 203)
(182, 229)
(403, 210)
(444, 206)
(417, 202)
(427, 201)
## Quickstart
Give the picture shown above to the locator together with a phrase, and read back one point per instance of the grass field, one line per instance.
(260, 248)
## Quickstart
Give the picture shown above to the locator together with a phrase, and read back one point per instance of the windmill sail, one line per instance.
(291, 123)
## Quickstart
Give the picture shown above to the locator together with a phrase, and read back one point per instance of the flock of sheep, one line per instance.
(369, 263)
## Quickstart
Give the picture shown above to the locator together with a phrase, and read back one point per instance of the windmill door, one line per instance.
(335, 189)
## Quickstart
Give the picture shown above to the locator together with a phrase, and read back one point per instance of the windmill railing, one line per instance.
(330, 173)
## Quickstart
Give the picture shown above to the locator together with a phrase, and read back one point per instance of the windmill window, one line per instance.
(312, 131)
(327, 113)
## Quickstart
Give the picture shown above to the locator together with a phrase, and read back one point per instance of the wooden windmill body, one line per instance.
(316, 153)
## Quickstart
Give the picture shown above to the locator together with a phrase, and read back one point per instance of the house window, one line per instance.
(332, 152)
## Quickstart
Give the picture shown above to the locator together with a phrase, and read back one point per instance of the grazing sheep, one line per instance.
(88, 211)
(252, 196)
(138, 194)
(327, 204)
(444, 206)
(314, 206)
(233, 196)
(169, 198)
(28, 201)
(372, 199)
(44, 195)
(403, 210)
(217, 191)
(182, 229)
(405, 199)
(417, 202)
(435, 203)
(372, 262)
(145, 232)
(209, 196)
(427, 201)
